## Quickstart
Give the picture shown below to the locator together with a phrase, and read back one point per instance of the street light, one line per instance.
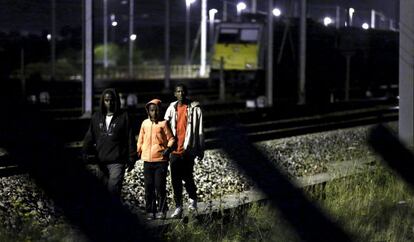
(327, 21)
(105, 33)
(187, 30)
(365, 26)
(132, 38)
(276, 12)
(51, 38)
(351, 14)
(113, 24)
(203, 44)
(211, 13)
(373, 19)
(240, 7)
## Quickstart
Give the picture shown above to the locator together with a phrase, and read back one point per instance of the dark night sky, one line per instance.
(35, 15)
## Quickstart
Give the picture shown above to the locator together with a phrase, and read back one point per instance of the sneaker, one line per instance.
(161, 215)
(178, 213)
(150, 216)
(193, 205)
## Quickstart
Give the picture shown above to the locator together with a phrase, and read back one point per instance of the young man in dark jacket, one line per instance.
(109, 141)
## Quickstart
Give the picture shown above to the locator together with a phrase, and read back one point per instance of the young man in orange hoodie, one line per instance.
(154, 145)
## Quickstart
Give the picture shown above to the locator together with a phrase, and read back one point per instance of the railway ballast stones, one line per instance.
(21, 202)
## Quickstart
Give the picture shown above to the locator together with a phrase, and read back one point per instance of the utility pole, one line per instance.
(131, 40)
(187, 32)
(302, 54)
(167, 46)
(254, 6)
(105, 33)
(203, 45)
(348, 56)
(53, 41)
(224, 19)
(406, 73)
(269, 71)
(338, 17)
(87, 58)
(373, 19)
(22, 75)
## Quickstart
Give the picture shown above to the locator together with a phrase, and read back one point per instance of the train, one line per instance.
(239, 48)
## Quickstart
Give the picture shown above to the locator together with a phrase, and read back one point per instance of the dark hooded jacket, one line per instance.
(114, 144)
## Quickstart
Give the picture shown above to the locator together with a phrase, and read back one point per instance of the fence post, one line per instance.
(222, 81)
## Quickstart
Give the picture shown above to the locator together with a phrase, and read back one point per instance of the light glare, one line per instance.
(276, 12)
(327, 21)
(133, 37)
(241, 6)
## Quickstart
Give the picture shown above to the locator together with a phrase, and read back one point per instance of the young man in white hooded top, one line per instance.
(186, 121)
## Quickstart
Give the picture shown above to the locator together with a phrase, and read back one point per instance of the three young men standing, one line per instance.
(109, 137)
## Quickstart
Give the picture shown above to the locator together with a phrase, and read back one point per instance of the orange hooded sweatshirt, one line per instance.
(154, 137)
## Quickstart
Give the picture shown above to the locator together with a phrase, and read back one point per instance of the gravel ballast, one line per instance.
(22, 203)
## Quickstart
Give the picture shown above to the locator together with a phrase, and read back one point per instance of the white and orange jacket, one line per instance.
(154, 138)
(194, 133)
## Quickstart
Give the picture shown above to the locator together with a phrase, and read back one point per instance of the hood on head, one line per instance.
(116, 100)
(153, 101)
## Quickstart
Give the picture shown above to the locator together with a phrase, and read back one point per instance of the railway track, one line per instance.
(267, 130)
(260, 125)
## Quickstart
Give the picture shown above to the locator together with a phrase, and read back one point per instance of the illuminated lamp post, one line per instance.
(240, 7)
(351, 15)
(132, 39)
(187, 30)
(211, 13)
(276, 12)
(327, 21)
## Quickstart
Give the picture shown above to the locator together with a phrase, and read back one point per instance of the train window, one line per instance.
(249, 35)
(228, 35)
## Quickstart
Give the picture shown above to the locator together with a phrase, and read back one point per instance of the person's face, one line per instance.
(153, 112)
(180, 94)
(109, 102)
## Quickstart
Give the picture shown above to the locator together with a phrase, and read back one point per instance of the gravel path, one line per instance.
(22, 203)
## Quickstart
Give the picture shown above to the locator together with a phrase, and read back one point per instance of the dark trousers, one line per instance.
(112, 176)
(155, 183)
(182, 170)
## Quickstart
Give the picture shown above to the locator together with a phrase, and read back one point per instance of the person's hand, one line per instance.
(167, 152)
(130, 166)
(89, 159)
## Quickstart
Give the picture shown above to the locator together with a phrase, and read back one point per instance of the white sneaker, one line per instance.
(178, 213)
(193, 205)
